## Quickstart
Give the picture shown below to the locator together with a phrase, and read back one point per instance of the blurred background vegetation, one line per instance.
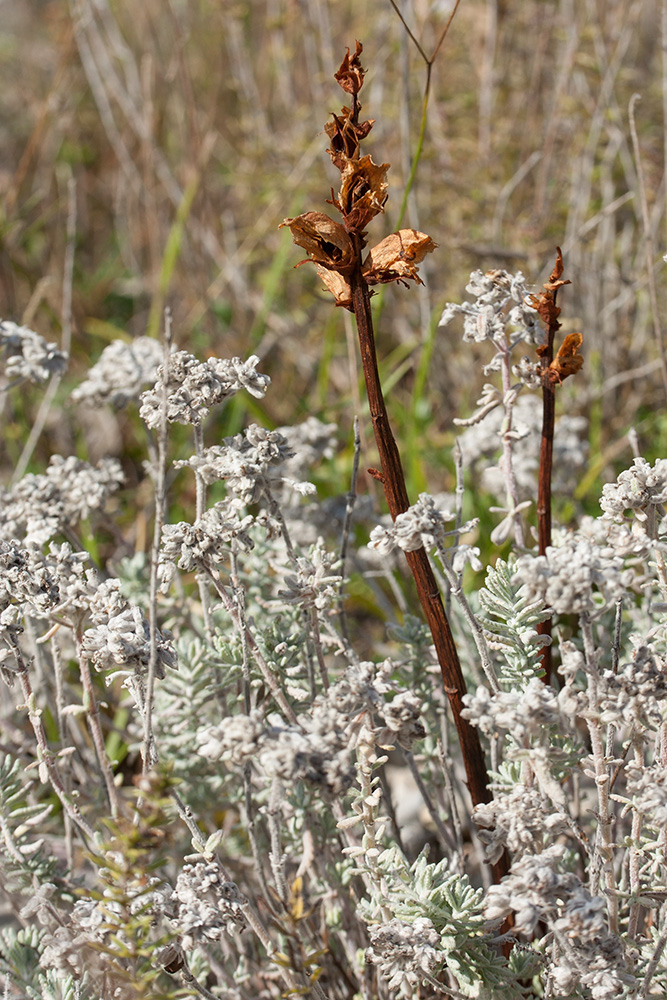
(191, 128)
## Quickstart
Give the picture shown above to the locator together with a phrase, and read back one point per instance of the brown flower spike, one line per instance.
(335, 247)
(337, 250)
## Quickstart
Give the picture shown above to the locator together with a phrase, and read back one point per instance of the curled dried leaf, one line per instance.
(324, 240)
(338, 285)
(396, 257)
(568, 361)
(363, 191)
(351, 73)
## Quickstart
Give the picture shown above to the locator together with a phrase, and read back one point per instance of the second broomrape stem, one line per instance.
(427, 589)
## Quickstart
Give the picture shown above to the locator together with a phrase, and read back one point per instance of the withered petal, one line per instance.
(568, 361)
(326, 241)
(338, 285)
(396, 257)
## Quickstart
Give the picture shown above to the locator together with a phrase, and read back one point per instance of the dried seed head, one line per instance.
(396, 256)
(325, 241)
(351, 73)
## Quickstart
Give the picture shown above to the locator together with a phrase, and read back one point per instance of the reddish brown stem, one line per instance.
(544, 501)
(544, 477)
(396, 494)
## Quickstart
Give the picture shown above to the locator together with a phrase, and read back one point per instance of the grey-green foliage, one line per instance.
(20, 956)
(185, 702)
(509, 622)
(456, 910)
(21, 856)
(416, 640)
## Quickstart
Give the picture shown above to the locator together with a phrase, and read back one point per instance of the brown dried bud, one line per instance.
(338, 285)
(363, 192)
(396, 256)
(325, 241)
(351, 73)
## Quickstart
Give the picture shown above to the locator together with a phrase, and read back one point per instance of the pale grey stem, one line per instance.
(60, 701)
(243, 629)
(239, 598)
(369, 799)
(46, 759)
(634, 852)
(189, 980)
(444, 834)
(200, 508)
(148, 749)
(604, 842)
(460, 490)
(317, 642)
(615, 654)
(276, 511)
(351, 841)
(95, 726)
(446, 766)
(276, 856)
(308, 653)
(350, 502)
(252, 832)
(655, 960)
(507, 440)
(470, 617)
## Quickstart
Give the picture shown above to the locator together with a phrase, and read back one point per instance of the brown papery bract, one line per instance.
(363, 192)
(396, 256)
(345, 135)
(568, 361)
(338, 285)
(326, 241)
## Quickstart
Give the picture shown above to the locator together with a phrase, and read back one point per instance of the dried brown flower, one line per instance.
(338, 285)
(568, 361)
(363, 192)
(351, 73)
(326, 242)
(345, 135)
(396, 256)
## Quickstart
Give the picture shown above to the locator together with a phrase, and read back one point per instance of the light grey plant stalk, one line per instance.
(148, 750)
(200, 507)
(93, 716)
